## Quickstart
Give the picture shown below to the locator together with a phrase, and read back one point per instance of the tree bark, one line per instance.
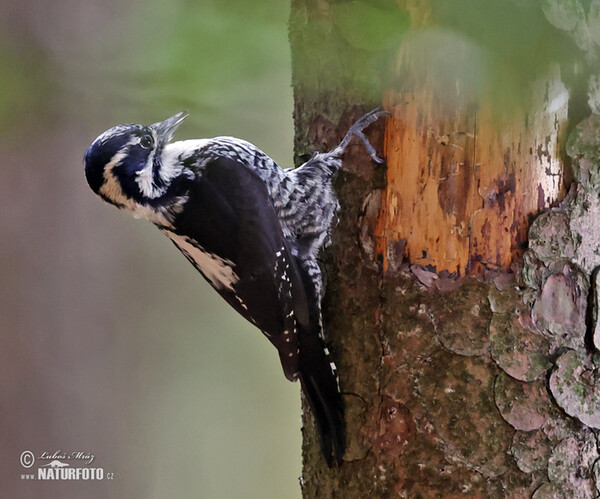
(458, 302)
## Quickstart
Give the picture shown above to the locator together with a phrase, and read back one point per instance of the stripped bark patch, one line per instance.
(457, 190)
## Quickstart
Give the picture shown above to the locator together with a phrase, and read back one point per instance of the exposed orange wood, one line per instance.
(461, 185)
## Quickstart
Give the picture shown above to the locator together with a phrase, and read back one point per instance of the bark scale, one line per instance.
(463, 331)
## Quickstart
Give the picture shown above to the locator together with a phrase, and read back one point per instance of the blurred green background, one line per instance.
(110, 342)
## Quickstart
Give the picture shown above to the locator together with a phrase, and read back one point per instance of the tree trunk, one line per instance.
(458, 302)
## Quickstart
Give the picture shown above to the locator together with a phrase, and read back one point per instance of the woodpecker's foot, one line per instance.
(356, 130)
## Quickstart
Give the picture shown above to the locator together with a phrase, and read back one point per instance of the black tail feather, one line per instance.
(317, 372)
(319, 384)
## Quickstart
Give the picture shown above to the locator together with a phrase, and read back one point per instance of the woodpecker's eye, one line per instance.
(147, 141)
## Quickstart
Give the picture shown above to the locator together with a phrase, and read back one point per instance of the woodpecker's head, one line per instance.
(124, 165)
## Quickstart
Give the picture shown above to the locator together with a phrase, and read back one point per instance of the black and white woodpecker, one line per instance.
(251, 228)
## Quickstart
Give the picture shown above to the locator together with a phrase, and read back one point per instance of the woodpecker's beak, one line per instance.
(165, 129)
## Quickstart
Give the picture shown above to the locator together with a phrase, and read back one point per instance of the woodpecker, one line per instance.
(252, 229)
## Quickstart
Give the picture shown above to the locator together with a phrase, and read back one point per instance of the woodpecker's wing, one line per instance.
(230, 232)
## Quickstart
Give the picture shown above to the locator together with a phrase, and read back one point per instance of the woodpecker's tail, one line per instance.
(320, 386)
(317, 372)
(356, 130)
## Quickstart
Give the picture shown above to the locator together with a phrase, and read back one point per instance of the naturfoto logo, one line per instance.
(60, 465)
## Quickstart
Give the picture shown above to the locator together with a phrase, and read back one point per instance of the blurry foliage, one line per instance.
(517, 46)
(225, 61)
(371, 26)
(201, 50)
(468, 49)
(220, 59)
(21, 81)
(360, 37)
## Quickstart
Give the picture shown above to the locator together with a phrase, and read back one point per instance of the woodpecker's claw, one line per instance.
(370, 149)
(356, 130)
(371, 117)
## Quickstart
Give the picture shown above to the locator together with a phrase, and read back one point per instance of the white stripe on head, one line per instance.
(170, 166)
(111, 189)
(145, 177)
